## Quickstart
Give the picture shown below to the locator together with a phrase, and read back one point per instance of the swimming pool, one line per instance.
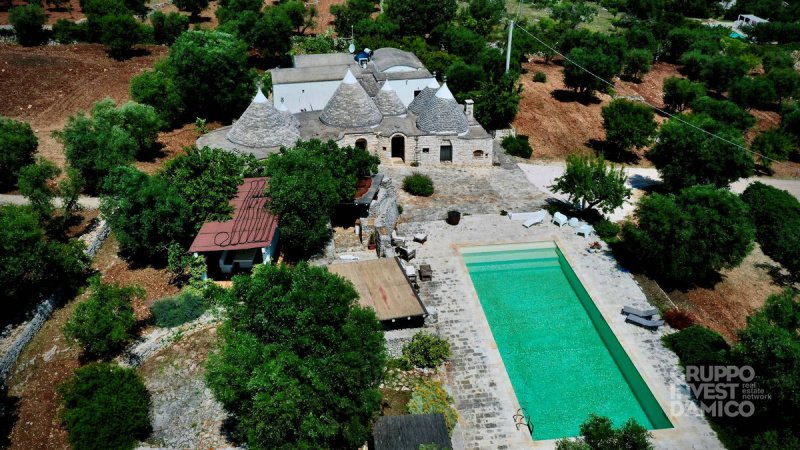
(563, 360)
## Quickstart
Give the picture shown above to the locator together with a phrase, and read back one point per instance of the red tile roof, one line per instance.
(252, 226)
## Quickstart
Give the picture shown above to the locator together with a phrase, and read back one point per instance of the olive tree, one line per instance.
(17, 147)
(103, 324)
(28, 21)
(690, 236)
(686, 154)
(628, 124)
(591, 184)
(679, 93)
(299, 363)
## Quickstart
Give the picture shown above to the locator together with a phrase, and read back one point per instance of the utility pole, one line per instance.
(508, 50)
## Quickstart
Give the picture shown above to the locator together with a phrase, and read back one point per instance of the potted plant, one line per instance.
(453, 217)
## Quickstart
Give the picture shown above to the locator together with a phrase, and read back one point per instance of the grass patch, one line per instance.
(173, 311)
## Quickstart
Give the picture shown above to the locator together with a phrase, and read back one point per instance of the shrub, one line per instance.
(28, 21)
(517, 146)
(105, 406)
(120, 32)
(637, 63)
(173, 311)
(34, 183)
(591, 184)
(141, 122)
(67, 32)
(418, 184)
(426, 350)
(430, 397)
(18, 144)
(776, 214)
(103, 324)
(606, 229)
(678, 319)
(539, 77)
(598, 433)
(698, 346)
(167, 27)
(749, 92)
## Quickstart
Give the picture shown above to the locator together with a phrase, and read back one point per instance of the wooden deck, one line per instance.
(382, 286)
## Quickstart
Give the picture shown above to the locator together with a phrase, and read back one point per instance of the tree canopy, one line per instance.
(603, 65)
(18, 144)
(688, 237)
(687, 156)
(420, 17)
(28, 21)
(679, 93)
(103, 324)
(591, 184)
(628, 124)
(776, 214)
(31, 264)
(300, 362)
(105, 406)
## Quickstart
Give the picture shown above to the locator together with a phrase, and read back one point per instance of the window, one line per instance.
(446, 153)
(478, 154)
(426, 150)
(361, 143)
(416, 93)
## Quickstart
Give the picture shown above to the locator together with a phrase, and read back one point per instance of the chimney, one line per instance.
(468, 108)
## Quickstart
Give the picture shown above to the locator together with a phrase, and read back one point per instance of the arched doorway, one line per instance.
(399, 147)
(361, 143)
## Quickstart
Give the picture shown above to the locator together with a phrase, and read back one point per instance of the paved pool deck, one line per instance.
(477, 380)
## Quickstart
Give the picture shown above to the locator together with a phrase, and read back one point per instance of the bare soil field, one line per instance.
(324, 16)
(49, 360)
(558, 124)
(45, 85)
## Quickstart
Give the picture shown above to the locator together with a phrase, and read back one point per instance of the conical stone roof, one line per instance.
(283, 109)
(388, 102)
(263, 126)
(443, 114)
(418, 104)
(350, 106)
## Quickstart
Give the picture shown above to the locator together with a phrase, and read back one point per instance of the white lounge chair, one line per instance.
(585, 230)
(560, 219)
(574, 222)
(349, 258)
(411, 272)
(537, 217)
(643, 313)
(397, 239)
(645, 323)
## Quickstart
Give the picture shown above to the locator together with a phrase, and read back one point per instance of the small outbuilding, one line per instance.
(382, 285)
(250, 237)
(409, 432)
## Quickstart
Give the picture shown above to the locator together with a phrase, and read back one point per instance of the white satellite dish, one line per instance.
(351, 48)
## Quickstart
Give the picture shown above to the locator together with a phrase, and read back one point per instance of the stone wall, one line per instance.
(93, 240)
(382, 211)
(414, 148)
(500, 134)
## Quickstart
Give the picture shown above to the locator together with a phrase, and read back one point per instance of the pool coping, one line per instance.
(658, 390)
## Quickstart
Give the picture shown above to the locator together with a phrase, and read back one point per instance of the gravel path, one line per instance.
(86, 202)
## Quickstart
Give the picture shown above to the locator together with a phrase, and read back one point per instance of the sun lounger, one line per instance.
(348, 257)
(560, 219)
(406, 254)
(537, 217)
(646, 314)
(421, 238)
(411, 272)
(397, 239)
(585, 230)
(642, 322)
(525, 216)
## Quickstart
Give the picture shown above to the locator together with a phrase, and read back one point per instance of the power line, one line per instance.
(666, 113)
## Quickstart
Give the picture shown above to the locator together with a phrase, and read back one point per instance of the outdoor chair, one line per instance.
(421, 238)
(585, 230)
(560, 219)
(642, 322)
(397, 239)
(646, 314)
(406, 254)
(425, 272)
(574, 222)
(411, 272)
(538, 217)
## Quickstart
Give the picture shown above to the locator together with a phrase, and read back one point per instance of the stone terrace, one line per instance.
(477, 379)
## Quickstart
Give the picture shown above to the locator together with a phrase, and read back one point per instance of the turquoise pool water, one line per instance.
(563, 360)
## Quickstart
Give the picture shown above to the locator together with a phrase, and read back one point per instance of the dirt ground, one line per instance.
(559, 125)
(45, 85)
(49, 360)
(324, 16)
(724, 307)
(70, 11)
